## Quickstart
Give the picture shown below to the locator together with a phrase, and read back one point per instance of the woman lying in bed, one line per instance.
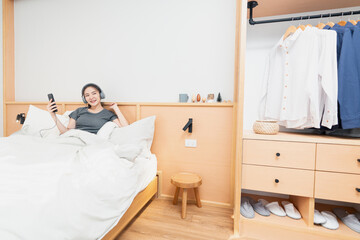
(92, 117)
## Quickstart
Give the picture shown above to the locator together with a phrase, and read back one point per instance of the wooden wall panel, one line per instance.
(211, 159)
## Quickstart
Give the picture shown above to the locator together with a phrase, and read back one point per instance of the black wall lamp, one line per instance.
(188, 125)
(20, 118)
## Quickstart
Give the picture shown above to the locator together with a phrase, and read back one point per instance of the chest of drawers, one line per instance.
(302, 165)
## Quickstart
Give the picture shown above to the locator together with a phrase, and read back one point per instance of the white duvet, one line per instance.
(70, 187)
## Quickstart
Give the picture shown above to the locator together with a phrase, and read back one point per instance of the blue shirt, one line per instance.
(348, 76)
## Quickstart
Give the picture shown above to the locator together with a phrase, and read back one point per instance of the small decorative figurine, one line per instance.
(203, 99)
(198, 98)
(219, 99)
(193, 99)
(210, 98)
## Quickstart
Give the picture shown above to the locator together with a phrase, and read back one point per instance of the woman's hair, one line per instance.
(97, 88)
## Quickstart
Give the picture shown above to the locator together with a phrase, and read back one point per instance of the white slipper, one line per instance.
(275, 208)
(318, 217)
(290, 210)
(246, 209)
(349, 220)
(260, 208)
(331, 221)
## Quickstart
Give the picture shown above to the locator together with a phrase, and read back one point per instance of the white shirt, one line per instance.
(328, 77)
(299, 80)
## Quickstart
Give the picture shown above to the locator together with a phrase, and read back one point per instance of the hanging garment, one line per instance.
(300, 80)
(328, 80)
(348, 77)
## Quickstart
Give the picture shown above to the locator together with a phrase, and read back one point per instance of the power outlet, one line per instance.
(190, 143)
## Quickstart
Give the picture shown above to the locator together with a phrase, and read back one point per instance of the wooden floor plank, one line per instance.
(161, 220)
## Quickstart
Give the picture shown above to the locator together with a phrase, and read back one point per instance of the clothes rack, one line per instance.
(252, 4)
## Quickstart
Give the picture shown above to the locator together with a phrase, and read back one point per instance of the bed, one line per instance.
(77, 185)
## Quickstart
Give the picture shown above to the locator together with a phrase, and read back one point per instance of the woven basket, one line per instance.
(266, 127)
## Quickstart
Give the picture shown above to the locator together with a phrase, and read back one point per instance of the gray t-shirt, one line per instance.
(91, 122)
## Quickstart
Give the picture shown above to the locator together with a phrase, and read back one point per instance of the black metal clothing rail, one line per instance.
(252, 4)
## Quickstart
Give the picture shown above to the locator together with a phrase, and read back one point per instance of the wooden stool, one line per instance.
(186, 180)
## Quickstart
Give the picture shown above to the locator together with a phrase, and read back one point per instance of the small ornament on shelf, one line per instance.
(198, 98)
(203, 99)
(210, 98)
(193, 99)
(219, 99)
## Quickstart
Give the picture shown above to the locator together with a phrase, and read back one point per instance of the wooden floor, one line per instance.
(161, 220)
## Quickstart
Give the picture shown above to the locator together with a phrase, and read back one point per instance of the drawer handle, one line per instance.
(277, 181)
(357, 189)
(278, 155)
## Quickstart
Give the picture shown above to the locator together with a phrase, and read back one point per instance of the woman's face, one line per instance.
(92, 96)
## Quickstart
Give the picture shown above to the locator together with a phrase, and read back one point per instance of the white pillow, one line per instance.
(105, 131)
(40, 120)
(140, 133)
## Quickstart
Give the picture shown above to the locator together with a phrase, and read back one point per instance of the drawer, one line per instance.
(337, 186)
(290, 181)
(338, 158)
(279, 154)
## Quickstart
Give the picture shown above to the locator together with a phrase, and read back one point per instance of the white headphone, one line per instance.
(102, 94)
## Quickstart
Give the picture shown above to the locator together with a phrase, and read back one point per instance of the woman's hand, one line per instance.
(114, 107)
(51, 107)
(120, 121)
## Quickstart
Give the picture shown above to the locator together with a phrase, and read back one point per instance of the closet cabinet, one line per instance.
(305, 168)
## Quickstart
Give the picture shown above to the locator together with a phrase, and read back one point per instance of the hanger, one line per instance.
(331, 24)
(301, 26)
(342, 23)
(352, 21)
(320, 25)
(308, 25)
(291, 30)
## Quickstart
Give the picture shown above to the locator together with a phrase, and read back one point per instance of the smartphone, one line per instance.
(51, 96)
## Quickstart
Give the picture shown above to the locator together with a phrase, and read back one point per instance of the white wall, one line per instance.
(1, 75)
(136, 50)
(260, 39)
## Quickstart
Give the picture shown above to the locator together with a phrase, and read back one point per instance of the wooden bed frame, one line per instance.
(138, 203)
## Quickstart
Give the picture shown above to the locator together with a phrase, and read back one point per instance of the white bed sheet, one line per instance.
(147, 169)
(73, 187)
